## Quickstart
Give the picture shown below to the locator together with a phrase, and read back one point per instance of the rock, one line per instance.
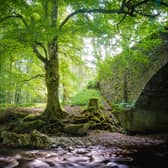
(34, 139)
(82, 151)
(29, 126)
(112, 165)
(8, 162)
(77, 129)
(39, 163)
(32, 117)
(39, 140)
(14, 139)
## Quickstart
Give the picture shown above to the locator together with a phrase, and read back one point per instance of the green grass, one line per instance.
(83, 97)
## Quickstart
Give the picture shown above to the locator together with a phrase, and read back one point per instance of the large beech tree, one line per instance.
(44, 25)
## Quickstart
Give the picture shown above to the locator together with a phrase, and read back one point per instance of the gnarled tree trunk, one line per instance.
(53, 109)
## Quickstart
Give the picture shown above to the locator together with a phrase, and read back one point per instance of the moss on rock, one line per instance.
(39, 140)
(77, 129)
(29, 126)
(32, 117)
(34, 139)
(21, 126)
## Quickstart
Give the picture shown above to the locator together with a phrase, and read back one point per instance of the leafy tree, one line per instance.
(19, 69)
(46, 26)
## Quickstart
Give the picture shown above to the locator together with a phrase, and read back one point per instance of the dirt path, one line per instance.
(125, 141)
(109, 139)
(75, 110)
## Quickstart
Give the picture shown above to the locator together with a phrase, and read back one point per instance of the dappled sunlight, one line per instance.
(83, 83)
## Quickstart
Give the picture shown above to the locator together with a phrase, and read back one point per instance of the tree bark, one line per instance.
(18, 95)
(93, 104)
(65, 95)
(53, 108)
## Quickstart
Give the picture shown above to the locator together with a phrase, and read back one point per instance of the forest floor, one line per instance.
(99, 148)
(74, 110)
(101, 137)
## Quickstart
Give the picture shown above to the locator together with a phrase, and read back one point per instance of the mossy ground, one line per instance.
(93, 117)
(34, 139)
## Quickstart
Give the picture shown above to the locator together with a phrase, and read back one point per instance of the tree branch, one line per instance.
(131, 10)
(140, 3)
(123, 4)
(41, 58)
(164, 3)
(45, 6)
(105, 11)
(34, 77)
(43, 47)
(15, 16)
(54, 15)
(148, 15)
(122, 19)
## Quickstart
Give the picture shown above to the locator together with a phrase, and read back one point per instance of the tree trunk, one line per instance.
(93, 104)
(9, 95)
(125, 88)
(65, 94)
(53, 110)
(51, 64)
(18, 95)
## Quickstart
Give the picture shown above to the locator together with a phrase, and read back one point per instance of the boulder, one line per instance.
(34, 139)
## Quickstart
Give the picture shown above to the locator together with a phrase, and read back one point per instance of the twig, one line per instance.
(34, 77)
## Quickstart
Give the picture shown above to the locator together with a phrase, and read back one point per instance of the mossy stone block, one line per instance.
(34, 139)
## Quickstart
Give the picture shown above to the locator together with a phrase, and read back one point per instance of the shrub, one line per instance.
(83, 97)
(93, 84)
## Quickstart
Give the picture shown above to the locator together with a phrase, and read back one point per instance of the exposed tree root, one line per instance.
(94, 117)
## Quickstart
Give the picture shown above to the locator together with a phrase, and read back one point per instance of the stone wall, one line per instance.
(151, 110)
(113, 88)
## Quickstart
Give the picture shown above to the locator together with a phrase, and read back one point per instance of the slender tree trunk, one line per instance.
(9, 96)
(125, 88)
(65, 95)
(18, 95)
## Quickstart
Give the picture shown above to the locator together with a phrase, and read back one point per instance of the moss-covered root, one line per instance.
(34, 139)
(37, 122)
(93, 117)
(76, 129)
